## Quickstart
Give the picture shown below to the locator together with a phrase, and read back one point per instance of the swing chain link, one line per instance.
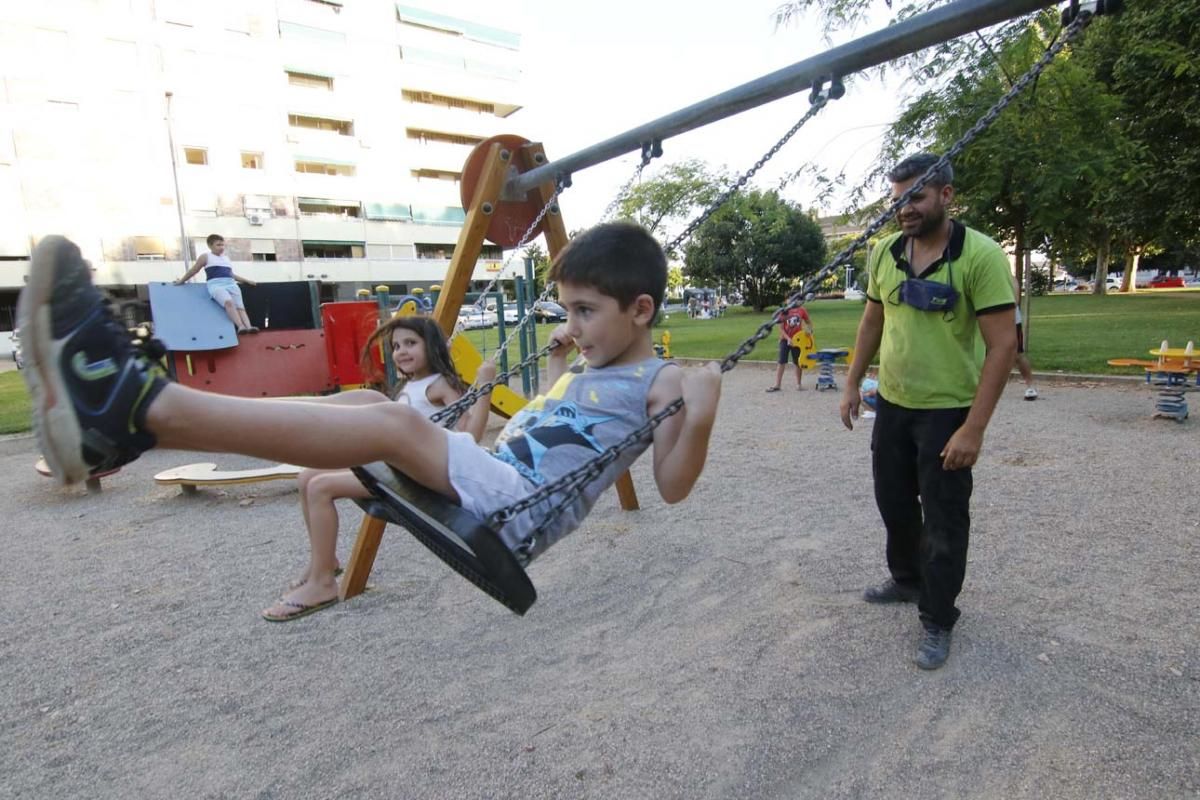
(573, 482)
(636, 177)
(818, 103)
(449, 416)
(843, 258)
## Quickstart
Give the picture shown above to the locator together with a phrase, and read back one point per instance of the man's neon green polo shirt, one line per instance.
(931, 359)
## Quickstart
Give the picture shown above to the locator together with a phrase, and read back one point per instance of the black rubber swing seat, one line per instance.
(466, 543)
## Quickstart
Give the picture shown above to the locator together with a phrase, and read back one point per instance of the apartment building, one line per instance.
(324, 139)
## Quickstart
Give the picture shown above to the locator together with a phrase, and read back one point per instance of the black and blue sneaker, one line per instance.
(91, 383)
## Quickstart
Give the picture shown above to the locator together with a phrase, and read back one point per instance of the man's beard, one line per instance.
(930, 223)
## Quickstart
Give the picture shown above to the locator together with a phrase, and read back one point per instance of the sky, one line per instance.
(594, 70)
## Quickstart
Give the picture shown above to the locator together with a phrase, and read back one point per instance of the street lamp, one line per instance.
(183, 240)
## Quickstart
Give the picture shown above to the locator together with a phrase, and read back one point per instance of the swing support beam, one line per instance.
(902, 39)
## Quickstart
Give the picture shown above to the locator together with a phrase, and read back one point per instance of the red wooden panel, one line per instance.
(348, 325)
(267, 364)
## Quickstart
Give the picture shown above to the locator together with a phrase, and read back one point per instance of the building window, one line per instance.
(426, 136)
(333, 249)
(317, 207)
(314, 167)
(448, 101)
(195, 155)
(488, 252)
(262, 250)
(442, 23)
(437, 175)
(310, 80)
(149, 248)
(434, 250)
(340, 126)
(290, 30)
(252, 160)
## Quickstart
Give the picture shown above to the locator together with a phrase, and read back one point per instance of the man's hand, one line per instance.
(962, 451)
(851, 400)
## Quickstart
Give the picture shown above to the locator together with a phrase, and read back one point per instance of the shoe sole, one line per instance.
(54, 422)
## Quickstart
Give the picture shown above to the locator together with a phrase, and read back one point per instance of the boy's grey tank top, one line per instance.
(584, 413)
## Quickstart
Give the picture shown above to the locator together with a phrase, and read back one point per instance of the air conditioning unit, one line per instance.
(256, 219)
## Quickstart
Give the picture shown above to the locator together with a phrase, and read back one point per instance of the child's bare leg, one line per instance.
(241, 312)
(317, 435)
(231, 311)
(1026, 369)
(324, 489)
(355, 397)
(779, 375)
(799, 376)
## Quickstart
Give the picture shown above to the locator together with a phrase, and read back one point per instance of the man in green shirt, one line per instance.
(934, 289)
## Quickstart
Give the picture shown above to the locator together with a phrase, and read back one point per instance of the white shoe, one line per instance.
(1031, 393)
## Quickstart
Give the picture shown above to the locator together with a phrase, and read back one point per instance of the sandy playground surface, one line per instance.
(713, 649)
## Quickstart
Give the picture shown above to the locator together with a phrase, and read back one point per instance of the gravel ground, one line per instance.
(713, 649)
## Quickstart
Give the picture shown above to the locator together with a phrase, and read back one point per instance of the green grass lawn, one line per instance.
(14, 403)
(1069, 332)
(1072, 333)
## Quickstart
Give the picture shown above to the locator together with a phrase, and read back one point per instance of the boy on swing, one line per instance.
(100, 400)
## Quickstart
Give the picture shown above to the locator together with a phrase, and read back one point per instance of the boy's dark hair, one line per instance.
(619, 259)
(914, 167)
(436, 351)
(213, 238)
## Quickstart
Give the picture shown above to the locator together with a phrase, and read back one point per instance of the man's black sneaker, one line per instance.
(934, 648)
(90, 382)
(891, 592)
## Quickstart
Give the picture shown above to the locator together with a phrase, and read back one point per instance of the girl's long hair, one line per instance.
(437, 352)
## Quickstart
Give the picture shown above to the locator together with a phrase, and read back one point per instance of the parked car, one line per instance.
(548, 311)
(1167, 282)
(510, 312)
(853, 293)
(473, 317)
(16, 352)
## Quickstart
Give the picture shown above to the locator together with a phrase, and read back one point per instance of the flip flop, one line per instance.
(301, 610)
(773, 389)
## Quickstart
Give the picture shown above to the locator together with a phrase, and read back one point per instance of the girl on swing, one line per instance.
(100, 400)
(428, 383)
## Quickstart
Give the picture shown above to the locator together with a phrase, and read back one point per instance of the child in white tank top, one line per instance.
(428, 384)
(222, 283)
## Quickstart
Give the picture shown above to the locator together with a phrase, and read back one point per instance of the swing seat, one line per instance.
(459, 538)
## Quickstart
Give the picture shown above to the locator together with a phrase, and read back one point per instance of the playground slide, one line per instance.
(467, 359)
(186, 318)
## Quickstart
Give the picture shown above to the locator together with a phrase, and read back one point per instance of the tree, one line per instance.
(674, 280)
(541, 265)
(758, 243)
(665, 203)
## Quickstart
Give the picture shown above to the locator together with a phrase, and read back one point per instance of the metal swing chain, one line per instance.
(573, 482)
(453, 412)
(450, 415)
(647, 156)
(843, 258)
(819, 101)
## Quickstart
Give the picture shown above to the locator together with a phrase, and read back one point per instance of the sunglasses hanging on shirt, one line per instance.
(927, 295)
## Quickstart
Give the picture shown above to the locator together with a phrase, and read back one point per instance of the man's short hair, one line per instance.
(619, 259)
(213, 238)
(914, 167)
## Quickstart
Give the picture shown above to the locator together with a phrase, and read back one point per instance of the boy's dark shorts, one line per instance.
(787, 352)
(1020, 339)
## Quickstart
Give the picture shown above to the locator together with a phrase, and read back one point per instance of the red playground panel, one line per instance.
(348, 325)
(266, 364)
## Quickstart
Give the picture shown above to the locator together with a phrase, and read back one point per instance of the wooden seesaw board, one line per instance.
(191, 476)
